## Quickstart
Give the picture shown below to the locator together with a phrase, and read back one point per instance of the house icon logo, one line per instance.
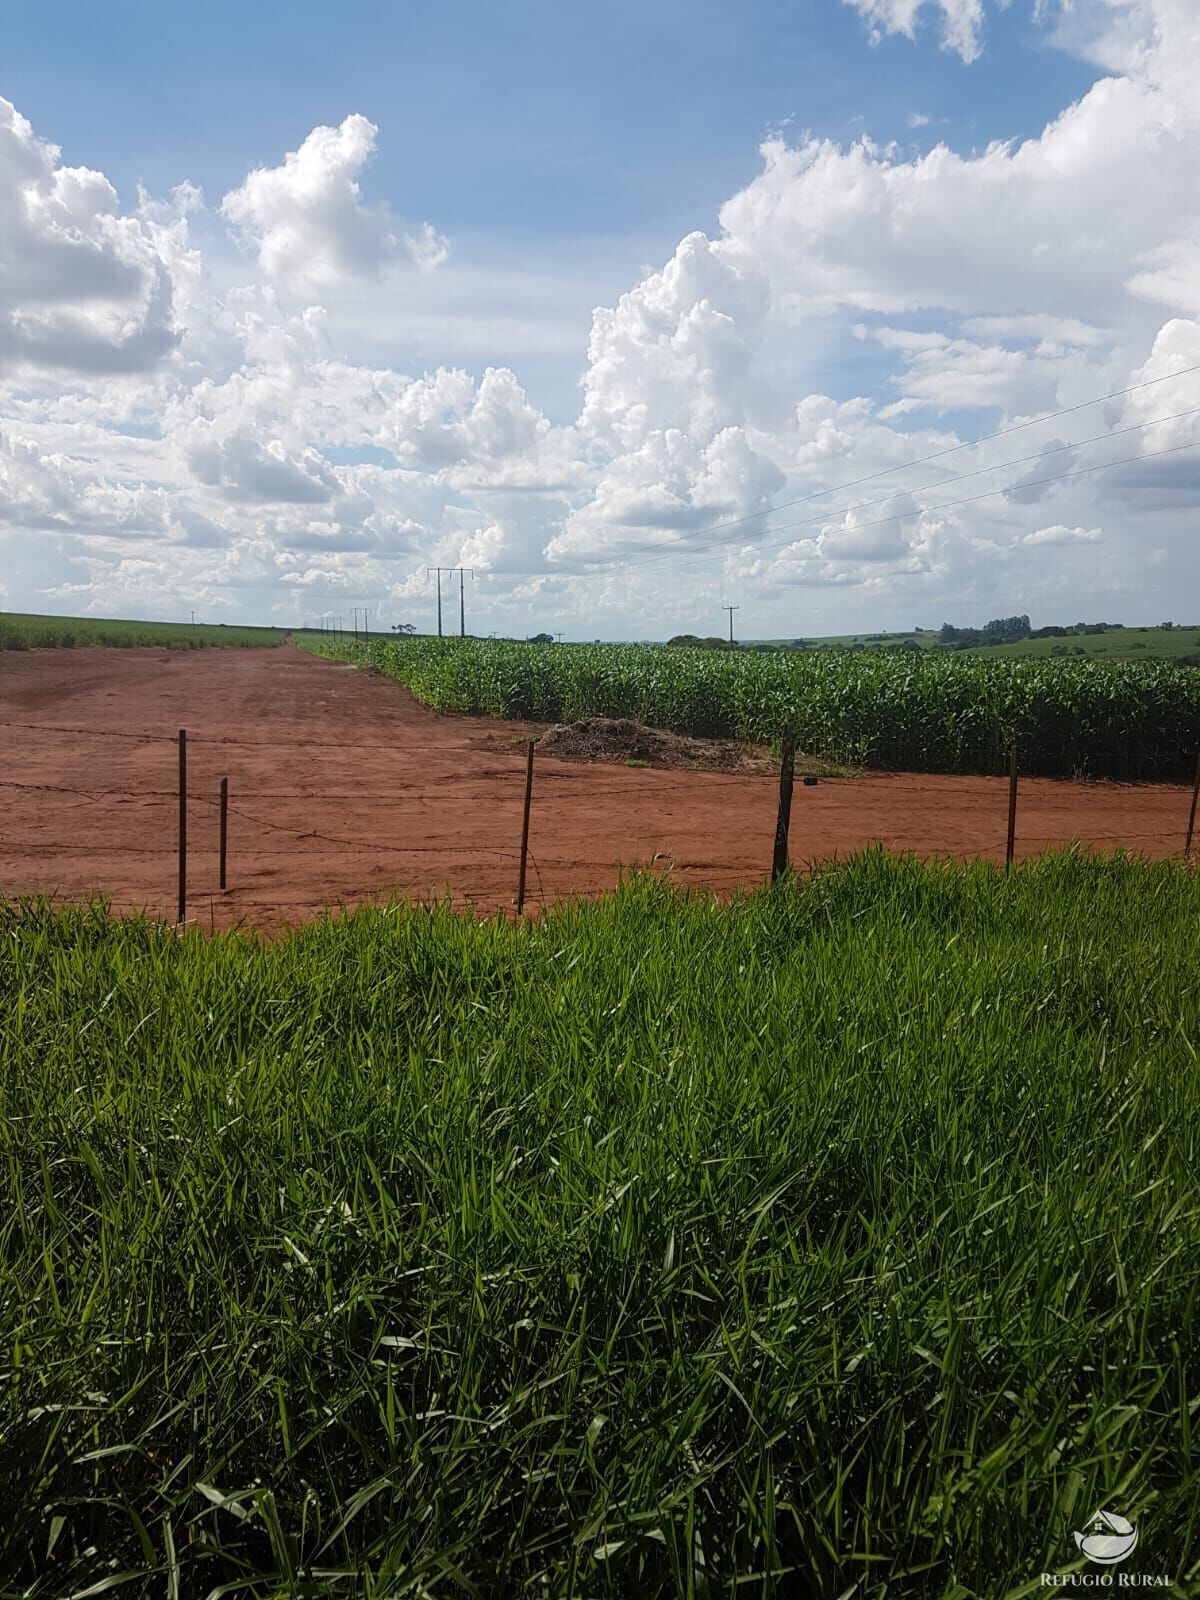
(1107, 1538)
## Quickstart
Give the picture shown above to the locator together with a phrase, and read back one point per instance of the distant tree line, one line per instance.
(694, 642)
(1000, 630)
(1007, 630)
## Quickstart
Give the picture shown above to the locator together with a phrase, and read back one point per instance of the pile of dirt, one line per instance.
(619, 740)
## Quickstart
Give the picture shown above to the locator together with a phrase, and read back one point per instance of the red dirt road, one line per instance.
(344, 789)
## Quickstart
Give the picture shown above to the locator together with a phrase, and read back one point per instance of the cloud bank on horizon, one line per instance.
(192, 416)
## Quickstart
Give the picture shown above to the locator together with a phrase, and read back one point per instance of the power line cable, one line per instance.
(977, 472)
(971, 499)
(1000, 466)
(920, 461)
(670, 552)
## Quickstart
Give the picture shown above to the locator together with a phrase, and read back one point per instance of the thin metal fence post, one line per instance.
(525, 826)
(224, 826)
(1012, 807)
(1187, 849)
(182, 916)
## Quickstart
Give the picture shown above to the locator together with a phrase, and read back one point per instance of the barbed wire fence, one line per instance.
(521, 855)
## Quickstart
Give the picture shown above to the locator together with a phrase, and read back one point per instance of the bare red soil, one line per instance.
(344, 789)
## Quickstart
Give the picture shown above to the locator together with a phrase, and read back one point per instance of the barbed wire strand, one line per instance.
(1026, 846)
(711, 775)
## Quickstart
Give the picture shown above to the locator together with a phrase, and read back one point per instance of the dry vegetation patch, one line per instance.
(620, 740)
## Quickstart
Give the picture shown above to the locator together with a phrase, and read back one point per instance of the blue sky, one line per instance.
(536, 120)
(309, 368)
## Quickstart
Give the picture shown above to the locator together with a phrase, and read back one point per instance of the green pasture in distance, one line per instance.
(841, 1240)
(1115, 644)
(21, 631)
(869, 640)
(27, 631)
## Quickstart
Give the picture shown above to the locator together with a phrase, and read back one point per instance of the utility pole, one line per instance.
(439, 571)
(558, 638)
(731, 610)
(462, 603)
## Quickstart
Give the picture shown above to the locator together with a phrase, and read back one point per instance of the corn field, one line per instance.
(951, 713)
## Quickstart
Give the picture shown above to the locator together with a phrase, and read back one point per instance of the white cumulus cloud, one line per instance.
(82, 288)
(1057, 534)
(309, 223)
(961, 21)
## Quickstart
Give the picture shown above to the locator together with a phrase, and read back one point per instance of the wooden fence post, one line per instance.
(224, 825)
(1012, 807)
(525, 826)
(1187, 849)
(182, 917)
(787, 773)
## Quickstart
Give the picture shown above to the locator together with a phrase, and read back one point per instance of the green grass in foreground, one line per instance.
(839, 1241)
(26, 632)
